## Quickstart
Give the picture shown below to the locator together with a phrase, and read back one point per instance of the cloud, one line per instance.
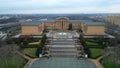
(59, 6)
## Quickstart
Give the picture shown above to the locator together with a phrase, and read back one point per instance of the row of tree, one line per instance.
(86, 49)
(41, 45)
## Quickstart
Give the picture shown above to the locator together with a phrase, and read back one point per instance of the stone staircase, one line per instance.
(63, 48)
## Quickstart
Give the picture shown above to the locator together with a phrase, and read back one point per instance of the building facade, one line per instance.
(113, 19)
(87, 27)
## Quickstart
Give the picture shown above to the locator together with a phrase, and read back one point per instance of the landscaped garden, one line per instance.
(31, 52)
(95, 52)
(31, 47)
(95, 47)
(93, 43)
(92, 46)
(10, 59)
(110, 62)
(12, 62)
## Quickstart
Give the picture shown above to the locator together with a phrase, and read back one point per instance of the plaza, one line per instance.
(63, 63)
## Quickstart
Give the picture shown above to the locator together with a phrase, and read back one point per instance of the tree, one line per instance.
(83, 42)
(25, 42)
(43, 41)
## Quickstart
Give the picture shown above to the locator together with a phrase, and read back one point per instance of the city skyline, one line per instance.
(59, 6)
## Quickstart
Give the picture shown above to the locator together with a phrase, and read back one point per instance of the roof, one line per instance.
(86, 22)
(90, 22)
(33, 23)
(72, 21)
(62, 18)
(49, 21)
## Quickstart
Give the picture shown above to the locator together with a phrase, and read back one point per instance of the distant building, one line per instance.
(28, 20)
(113, 19)
(4, 17)
(87, 27)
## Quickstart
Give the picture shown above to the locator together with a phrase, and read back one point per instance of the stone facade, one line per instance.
(63, 24)
(93, 30)
(30, 30)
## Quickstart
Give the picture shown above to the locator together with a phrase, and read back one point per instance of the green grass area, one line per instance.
(92, 40)
(111, 65)
(30, 52)
(94, 46)
(107, 63)
(95, 52)
(93, 43)
(12, 62)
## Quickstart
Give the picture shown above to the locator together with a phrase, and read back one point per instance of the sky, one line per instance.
(58, 6)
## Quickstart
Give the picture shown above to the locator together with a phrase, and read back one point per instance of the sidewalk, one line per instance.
(30, 60)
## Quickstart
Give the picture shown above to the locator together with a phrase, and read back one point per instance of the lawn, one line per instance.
(92, 40)
(111, 65)
(107, 63)
(30, 52)
(12, 62)
(94, 46)
(92, 43)
(95, 52)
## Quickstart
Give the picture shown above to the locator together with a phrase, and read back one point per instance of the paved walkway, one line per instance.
(99, 58)
(58, 62)
(24, 56)
(30, 60)
(33, 61)
(97, 61)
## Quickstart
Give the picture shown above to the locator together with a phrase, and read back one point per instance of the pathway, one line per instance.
(97, 61)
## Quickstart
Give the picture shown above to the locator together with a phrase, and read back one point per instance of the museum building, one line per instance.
(86, 27)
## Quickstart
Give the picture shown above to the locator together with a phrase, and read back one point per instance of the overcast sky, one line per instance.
(59, 6)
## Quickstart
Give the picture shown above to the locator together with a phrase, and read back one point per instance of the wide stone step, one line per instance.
(62, 51)
(63, 54)
(68, 39)
(63, 46)
(73, 49)
(62, 43)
